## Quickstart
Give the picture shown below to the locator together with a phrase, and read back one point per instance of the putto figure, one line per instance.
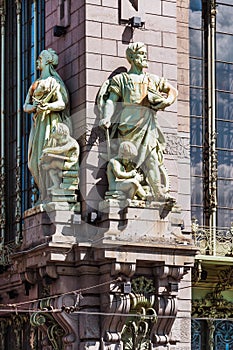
(122, 175)
(48, 100)
(134, 119)
(61, 159)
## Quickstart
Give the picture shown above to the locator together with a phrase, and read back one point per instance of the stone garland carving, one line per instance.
(128, 104)
(176, 145)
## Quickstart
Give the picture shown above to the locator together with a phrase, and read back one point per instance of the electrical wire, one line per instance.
(76, 291)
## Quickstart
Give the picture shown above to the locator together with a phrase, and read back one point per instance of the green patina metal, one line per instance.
(136, 333)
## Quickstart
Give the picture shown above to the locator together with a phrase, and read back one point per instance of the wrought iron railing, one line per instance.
(213, 241)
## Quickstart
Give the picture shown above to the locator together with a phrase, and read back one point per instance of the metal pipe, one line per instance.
(211, 115)
(18, 133)
(2, 164)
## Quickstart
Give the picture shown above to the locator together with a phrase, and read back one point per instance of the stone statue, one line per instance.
(140, 96)
(122, 175)
(62, 157)
(48, 100)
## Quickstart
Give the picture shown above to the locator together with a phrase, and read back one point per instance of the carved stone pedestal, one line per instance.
(128, 283)
(137, 221)
(52, 222)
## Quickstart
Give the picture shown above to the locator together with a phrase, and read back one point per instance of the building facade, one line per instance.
(211, 158)
(72, 274)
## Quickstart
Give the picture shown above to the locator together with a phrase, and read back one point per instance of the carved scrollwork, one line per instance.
(117, 305)
(167, 310)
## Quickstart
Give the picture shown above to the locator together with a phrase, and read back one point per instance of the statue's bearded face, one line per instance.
(140, 58)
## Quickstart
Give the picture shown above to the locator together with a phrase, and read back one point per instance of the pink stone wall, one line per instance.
(71, 49)
(94, 47)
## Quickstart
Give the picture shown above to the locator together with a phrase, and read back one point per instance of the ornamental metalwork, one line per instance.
(15, 332)
(6, 251)
(217, 242)
(212, 334)
(48, 325)
(213, 305)
(223, 335)
(137, 331)
(196, 335)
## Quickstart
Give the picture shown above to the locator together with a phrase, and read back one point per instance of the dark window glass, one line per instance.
(225, 193)
(195, 13)
(224, 76)
(196, 131)
(225, 134)
(196, 72)
(196, 160)
(27, 75)
(225, 106)
(226, 2)
(197, 190)
(195, 43)
(224, 47)
(196, 101)
(197, 213)
(224, 19)
(225, 168)
(224, 220)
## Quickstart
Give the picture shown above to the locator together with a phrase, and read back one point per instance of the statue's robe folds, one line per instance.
(135, 119)
(41, 129)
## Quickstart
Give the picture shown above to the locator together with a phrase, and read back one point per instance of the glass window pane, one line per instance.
(195, 13)
(196, 101)
(195, 42)
(224, 76)
(224, 19)
(224, 47)
(224, 218)
(197, 190)
(225, 134)
(225, 193)
(197, 213)
(225, 168)
(226, 2)
(224, 106)
(196, 72)
(196, 131)
(196, 161)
